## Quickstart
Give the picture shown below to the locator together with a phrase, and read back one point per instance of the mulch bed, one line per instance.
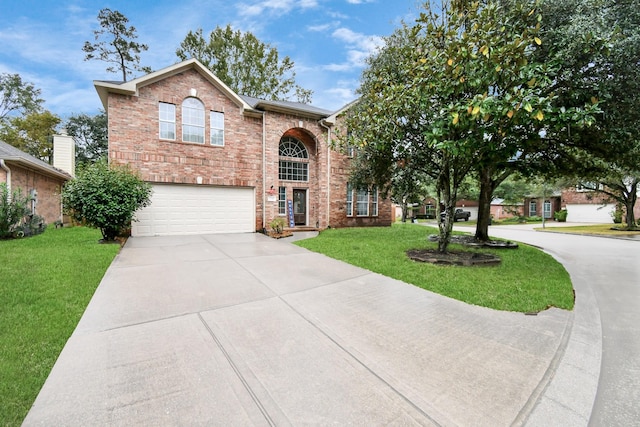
(461, 258)
(471, 241)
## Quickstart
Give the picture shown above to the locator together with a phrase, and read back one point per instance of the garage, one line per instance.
(596, 214)
(188, 209)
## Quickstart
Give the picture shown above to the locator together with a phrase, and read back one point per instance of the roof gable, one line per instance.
(132, 87)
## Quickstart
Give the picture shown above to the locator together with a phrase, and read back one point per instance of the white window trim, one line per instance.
(349, 202)
(213, 129)
(171, 122)
(189, 125)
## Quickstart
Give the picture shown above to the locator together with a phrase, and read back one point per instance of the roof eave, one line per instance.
(46, 171)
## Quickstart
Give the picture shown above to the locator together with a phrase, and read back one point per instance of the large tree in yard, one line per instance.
(456, 93)
(245, 64)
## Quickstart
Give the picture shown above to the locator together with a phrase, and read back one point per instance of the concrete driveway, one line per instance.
(245, 330)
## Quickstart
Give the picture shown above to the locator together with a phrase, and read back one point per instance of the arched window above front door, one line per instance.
(294, 160)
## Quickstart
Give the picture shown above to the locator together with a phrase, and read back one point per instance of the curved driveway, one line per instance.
(608, 269)
(247, 330)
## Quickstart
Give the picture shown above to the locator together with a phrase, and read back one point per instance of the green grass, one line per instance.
(527, 280)
(46, 282)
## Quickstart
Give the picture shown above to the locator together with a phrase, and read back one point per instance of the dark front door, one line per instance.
(300, 206)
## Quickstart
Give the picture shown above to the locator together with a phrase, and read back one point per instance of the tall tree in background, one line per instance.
(245, 64)
(32, 133)
(17, 97)
(90, 136)
(120, 47)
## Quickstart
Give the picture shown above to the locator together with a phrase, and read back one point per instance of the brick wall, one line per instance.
(48, 204)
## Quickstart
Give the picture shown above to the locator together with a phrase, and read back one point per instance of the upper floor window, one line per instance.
(294, 160)
(167, 118)
(193, 121)
(217, 128)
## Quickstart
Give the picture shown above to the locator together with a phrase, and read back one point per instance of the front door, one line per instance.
(299, 206)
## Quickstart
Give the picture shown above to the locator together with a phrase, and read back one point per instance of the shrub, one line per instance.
(12, 209)
(616, 215)
(561, 215)
(105, 197)
(277, 224)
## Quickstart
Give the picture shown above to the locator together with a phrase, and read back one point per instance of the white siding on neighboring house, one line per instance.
(588, 213)
(64, 154)
(187, 209)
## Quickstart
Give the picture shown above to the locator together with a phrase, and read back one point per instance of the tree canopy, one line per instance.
(245, 64)
(32, 133)
(458, 92)
(119, 47)
(90, 136)
(598, 44)
(17, 97)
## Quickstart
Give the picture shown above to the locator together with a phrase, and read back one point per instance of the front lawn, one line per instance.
(46, 282)
(527, 280)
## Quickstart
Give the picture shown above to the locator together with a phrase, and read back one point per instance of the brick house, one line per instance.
(220, 162)
(37, 179)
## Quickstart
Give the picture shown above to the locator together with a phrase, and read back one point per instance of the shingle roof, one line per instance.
(286, 105)
(11, 153)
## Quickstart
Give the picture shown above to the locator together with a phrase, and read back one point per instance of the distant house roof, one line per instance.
(250, 105)
(12, 154)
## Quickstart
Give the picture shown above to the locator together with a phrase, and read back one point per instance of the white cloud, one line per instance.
(360, 1)
(277, 7)
(359, 47)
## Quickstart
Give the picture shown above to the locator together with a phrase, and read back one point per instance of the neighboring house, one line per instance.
(536, 206)
(37, 179)
(220, 162)
(503, 210)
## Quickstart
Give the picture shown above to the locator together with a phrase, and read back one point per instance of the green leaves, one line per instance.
(105, 197)
(245, 64)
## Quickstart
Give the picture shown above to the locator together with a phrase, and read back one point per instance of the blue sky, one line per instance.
(327, 40)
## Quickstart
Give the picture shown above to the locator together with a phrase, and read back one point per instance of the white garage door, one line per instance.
(596, 214)
(187, 209)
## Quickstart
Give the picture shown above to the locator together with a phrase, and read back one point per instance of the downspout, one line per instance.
(4, 167)
(264, 170)
(321, 122)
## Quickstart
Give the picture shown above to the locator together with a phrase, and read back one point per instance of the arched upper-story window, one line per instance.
(193, 120)
(294, 160)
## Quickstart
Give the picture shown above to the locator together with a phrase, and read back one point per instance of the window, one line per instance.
(533, 208)
(217, 128)
(362, 202)
(167, 117)
(294, 160)
(282, 200)
(374, 202)
(366, 202)
(547, 209)
(192, 121)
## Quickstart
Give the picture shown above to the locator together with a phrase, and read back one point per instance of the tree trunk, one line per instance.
(484, 205)
(629, 202)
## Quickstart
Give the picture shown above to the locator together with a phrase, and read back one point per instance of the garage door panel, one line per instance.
(590, 213)
(183, 209)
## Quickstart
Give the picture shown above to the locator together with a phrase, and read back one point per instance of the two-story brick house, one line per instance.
(220, 162)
